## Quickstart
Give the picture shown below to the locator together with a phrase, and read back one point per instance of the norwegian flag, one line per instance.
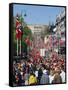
(50, 41)
(62, 42)
(18, 28)
(28, 42)
(55, 41)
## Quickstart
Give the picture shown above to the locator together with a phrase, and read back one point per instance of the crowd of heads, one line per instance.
(46, 71)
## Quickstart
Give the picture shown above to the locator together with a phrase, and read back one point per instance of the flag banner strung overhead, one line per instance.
(37, 44)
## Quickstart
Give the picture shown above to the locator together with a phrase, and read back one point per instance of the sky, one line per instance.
(37, 14)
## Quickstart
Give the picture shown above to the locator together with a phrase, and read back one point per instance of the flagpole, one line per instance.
(21, 38)
(20, 46)
(17, 46)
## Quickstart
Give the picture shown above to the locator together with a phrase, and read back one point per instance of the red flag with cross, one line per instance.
(18, 28)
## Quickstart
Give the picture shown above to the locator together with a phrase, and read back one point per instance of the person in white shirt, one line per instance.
(51, 76)
(62, 74)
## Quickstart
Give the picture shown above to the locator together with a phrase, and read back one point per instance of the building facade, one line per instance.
(37, 28)
(60, 31)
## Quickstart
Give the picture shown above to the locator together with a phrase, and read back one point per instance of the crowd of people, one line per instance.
(46, 71)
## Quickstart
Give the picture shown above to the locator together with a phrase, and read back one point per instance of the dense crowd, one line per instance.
(46, 71)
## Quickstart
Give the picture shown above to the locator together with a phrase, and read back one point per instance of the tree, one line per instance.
(27, 32)
(45, 32)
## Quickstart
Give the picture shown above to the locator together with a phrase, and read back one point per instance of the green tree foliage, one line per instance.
(45, 32)
(27, 32)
